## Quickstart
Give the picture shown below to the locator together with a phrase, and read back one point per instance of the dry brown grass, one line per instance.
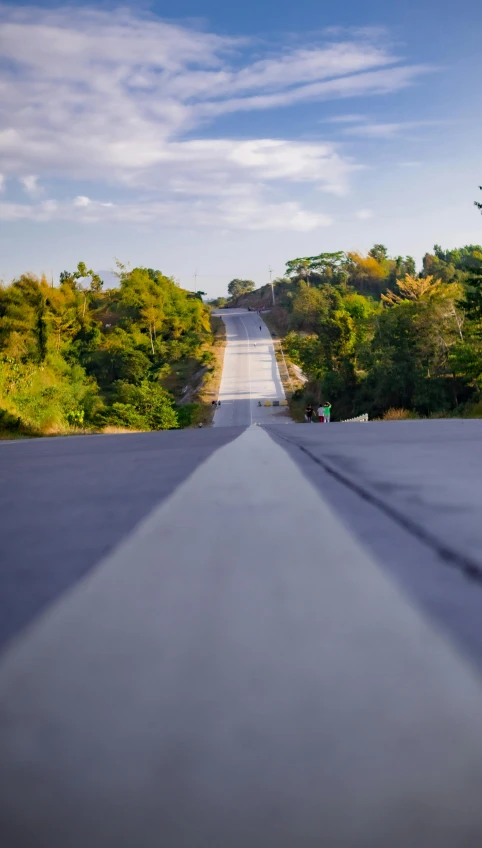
(399, 415)
(113, 429)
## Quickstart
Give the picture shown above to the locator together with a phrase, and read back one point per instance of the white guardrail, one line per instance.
(358, 418)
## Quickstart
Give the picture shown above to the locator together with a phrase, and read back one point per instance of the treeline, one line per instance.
(373, 335)
(74, 356)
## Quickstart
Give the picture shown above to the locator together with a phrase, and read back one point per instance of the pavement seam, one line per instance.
(469, 567)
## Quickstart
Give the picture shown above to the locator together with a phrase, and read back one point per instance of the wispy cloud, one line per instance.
(386, 130)
(345, 119)
(354, 85)
(364, 214)
(115, 97)
(250, 212)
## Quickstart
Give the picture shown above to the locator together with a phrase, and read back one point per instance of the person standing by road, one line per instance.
(321, 413)
(309, 413)
(260, 328)
(326, 412)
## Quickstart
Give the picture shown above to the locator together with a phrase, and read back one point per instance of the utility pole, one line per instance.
(271, 282)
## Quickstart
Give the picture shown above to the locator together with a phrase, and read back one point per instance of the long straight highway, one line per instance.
(265, 635)
(250, 374)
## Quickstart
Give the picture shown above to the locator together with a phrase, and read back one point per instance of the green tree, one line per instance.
(471, 302)
(379, 252)
(325, 265)
(23, 318)
(73, 279)
(238, 287)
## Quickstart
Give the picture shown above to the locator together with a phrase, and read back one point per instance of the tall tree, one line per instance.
(323, 264)
(238, 287)
(379, 252)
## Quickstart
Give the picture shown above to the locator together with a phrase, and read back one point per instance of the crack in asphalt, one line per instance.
(469, 567)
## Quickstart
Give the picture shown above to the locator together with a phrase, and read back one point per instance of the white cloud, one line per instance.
(110, 96)
(23, 211)
(81, 201)
(30, 185)
(355, 85)
(242, 210)
(346, 119)
(364, 214)
(388, 130)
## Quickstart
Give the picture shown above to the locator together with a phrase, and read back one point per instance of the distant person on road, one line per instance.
(327, 412)
(309, 413)
(219, 403)
(321, 413)
(260, 328)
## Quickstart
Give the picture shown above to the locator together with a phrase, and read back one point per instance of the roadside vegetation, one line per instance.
(75, 358)
(371, 334)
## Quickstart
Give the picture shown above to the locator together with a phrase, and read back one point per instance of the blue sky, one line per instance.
(225, 139)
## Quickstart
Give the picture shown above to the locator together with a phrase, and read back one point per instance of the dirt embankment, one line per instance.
(259, 299)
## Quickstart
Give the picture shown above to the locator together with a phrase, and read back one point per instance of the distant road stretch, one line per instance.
(250, 373)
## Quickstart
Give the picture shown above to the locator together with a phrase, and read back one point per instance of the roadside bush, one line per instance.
(188, 414)
(9, 421)
(146, 407)
(122, 415)
(48, 397)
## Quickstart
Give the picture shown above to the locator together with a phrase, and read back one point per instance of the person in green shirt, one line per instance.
(326, 412)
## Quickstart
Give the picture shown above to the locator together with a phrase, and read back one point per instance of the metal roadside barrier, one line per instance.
(278, 402)
(358, 418)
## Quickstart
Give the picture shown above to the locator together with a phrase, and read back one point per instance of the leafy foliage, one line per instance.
(75, 356)
(238, 287)
(372, 335)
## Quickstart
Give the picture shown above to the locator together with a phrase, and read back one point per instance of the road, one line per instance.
(250, 372)
(265, 635)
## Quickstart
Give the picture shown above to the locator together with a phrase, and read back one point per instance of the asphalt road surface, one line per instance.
(263, 636)
(250, 372)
